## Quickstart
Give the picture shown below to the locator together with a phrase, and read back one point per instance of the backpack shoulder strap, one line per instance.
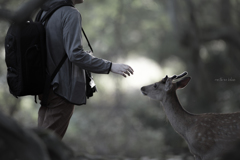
(38, 17)
(50, 11)
(49, 79)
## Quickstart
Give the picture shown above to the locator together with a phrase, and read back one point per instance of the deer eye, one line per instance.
(155, 86)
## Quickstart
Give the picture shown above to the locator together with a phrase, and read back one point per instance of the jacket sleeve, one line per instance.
(72, 37)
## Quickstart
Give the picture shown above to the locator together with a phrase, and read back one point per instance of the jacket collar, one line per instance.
(48, 4)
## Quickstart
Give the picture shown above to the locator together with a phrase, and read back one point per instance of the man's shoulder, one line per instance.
(68, 10)
(66, 13)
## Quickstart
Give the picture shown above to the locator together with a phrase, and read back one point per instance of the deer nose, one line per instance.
(143, 91)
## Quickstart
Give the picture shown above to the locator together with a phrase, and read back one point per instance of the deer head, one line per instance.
(161, 89)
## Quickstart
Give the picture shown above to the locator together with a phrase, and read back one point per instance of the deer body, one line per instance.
(207, 135)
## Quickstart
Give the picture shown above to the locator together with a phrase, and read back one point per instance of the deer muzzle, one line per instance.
(143, 91)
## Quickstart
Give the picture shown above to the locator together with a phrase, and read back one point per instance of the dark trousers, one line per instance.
(56, 115)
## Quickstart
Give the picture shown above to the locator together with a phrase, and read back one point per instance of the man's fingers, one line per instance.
(128, 70)
(131, 70)
(123, 74)
(122, 69)
(127, 73)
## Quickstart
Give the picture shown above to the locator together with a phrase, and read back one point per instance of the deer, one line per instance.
(208, 135)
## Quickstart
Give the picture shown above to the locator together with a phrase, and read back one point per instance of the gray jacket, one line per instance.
(63, 34)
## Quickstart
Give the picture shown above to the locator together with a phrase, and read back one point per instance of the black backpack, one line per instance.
(25, 58)
(25, 48)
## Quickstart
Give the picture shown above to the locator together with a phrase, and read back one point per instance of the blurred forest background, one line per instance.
(156, 38)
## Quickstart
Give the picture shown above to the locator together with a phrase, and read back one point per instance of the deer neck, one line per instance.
(179, 118)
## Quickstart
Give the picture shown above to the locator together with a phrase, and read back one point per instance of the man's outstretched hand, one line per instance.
(122, 69)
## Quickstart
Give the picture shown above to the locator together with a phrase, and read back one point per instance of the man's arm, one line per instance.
(72, 37)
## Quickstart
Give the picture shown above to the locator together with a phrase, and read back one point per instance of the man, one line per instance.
(63, 34)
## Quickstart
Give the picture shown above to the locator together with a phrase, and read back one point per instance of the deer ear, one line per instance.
(182, 83)
(168, 85)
